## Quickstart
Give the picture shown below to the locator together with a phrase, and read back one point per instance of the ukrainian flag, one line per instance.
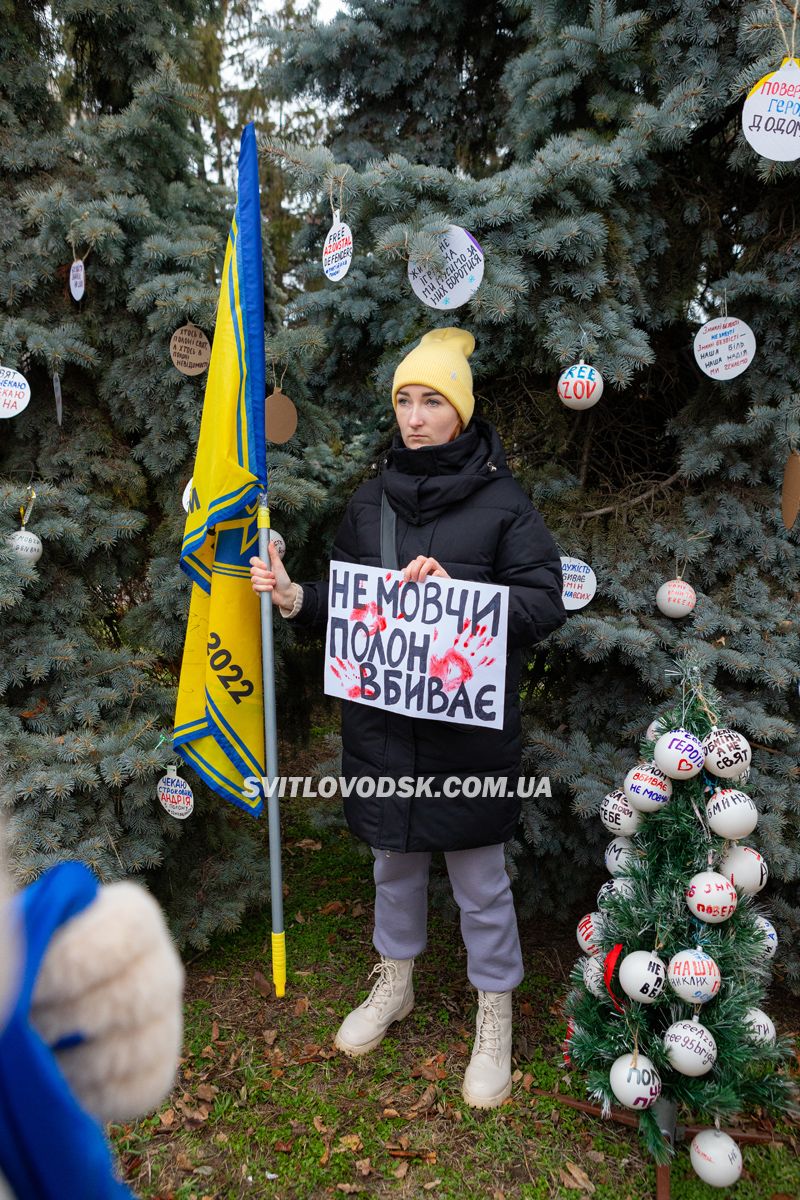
(219, 719)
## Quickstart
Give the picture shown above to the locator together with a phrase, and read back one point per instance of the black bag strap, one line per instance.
(388, 530)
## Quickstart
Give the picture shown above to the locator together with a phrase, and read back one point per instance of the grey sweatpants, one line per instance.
(482, 891)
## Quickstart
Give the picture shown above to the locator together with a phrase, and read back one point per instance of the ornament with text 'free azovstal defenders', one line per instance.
(463, 272)
(580, 386)
(190, 349)
(175, 794)
(580, 583)
(15, 392)
(337, 253)
(771, 113)
(724, 347)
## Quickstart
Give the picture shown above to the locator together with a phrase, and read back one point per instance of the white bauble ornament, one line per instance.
(620, 885)
(654, 729)
(745, 868)
(589, 932)
(770, 936)
(463, 271)
(77, 279)
(676, 598)
(579, 583)
(731, 814)
(711, 897)
(769, 114)
(617, 815)
(175, 794)
(647, 787)
(679, 754)
(277, 539)
(337, 253)
(620, 856)
(759, 1027)
(694, 976)
(15, 392)
(593, 976)
(715, 1157)
(635, 1086)
(724, 347)
(642, 976)
(728, 753)
(580, 386)
(690, 1048)
(26, 545)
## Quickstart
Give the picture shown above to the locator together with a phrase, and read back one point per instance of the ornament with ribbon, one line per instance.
(26, 545)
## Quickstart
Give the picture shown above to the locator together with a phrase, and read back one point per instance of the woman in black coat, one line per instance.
(457, 513)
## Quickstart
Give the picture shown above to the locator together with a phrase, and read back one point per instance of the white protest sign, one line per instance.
(580, 583)
(771, 113)
(337, 253)
(724, 347)
(77, 279)
(435, 649)
(462, 276)
(15, 392)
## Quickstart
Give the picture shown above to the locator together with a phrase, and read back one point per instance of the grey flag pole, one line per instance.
(271, 749)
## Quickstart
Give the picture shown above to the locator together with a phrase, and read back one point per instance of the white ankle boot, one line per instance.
(487, 1081)
(391, 999)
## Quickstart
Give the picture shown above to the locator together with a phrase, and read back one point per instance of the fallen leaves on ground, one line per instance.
(262, 984)
(349, 1141)
(576, 1178)
(332, 907)
(431, 1069)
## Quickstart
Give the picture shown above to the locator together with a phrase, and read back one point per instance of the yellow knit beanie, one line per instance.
(439, 360)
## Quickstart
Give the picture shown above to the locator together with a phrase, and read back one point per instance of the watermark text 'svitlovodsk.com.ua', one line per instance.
(309, 787)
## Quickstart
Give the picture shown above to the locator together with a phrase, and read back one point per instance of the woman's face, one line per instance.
(425, 417)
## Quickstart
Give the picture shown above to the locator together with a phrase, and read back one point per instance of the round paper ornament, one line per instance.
(790, 492)
(642, 976)
(711, 897)
(281, 417)
(190, 349)
(580, 583)
(617, 815)
(679, 754)
(724, 347)
(745, 868)
(620, 885)
(759, 1027)
(77, 279)
(647, 788)
(715, 1157)
(280, 544)
(620, 856)
(635, 1081)
(580, 386)
(676, 598)
(690, 1048)
(731, 813)
(593, 976)
(590, 930)
(15, 392)
(770, 936)
(728, 753)
(694, 976)
(175, 794)
(186, 499)
(26, 545)
(771, 111)
(337, 253)
(462, 275)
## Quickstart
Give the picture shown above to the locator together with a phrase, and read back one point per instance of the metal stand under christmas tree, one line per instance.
(666, 1114)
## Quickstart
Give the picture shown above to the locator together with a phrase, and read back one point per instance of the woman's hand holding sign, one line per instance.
(421, 567)
(273, 578)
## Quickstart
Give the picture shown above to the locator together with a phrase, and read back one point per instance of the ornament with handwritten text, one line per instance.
(580, 583)
(175, 795)
(745, 868)
(716, 1158)
(728, 753)
(463, 272)
(771, 113)
(27, 546)
(724, 347)
(77, 279)
(15, 392)
(634, 1081)
(676, 598)
(711, 897)
(337, 253)
(679, 754)
(190, 349)
(580, 386)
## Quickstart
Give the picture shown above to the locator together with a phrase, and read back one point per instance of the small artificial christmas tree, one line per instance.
(667, 1000)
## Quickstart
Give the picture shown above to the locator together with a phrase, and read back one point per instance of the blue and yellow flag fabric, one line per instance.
(219, 719)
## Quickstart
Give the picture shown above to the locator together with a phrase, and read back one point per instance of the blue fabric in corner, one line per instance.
(50, 1149)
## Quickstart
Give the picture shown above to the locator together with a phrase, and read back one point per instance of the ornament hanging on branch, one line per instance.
(190, 349)
(635, 1081)
(759, 1027)
(589, 931)
(676, 598)
(711, 897)
(745, 869)
(647, 787)
(15, 392)
(27, 546)
(592, 969)
(281, 416)
(694, 976)
(724, 347)
(679, 754)
(175, 794)
(620, 885)
(579, 583)
(770, 113)
(617, 815)
(690, 1048)
(731, 814)
(790, 492)
(620, 856)
(727, 753)
(715, 1157)
(642, 976)
(337, 253)
(77, 279)
(277, 539)
(580, 386)
(770, 936)
(462, 275)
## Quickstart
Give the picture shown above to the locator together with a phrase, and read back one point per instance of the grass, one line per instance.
(265, 1107)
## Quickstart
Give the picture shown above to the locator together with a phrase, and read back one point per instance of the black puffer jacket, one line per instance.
(459, 503)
